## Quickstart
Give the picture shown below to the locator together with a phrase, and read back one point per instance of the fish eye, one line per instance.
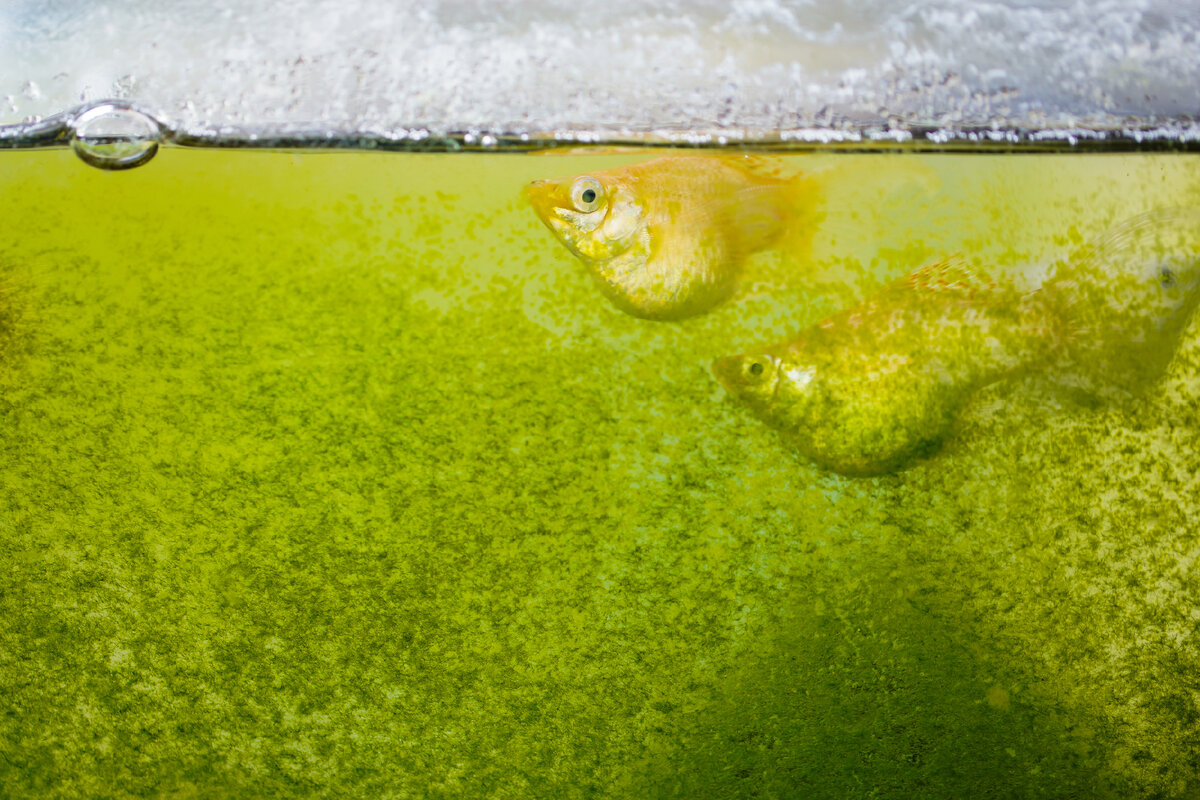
(1166, 277)
(587, 194)
(754, 369)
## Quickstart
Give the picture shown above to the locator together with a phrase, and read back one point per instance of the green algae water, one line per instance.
(332, 475)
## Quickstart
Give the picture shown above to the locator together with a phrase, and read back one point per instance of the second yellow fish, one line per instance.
(666, 239)
(874, 386)
(870, 388)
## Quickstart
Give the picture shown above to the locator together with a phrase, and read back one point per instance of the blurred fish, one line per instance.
(666, 239)
(876, 385)
(1128, 296)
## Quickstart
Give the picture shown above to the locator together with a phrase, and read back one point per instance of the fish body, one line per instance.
(871, 387)
(666, 239)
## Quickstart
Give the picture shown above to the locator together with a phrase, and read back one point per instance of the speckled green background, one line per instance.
(332, 476)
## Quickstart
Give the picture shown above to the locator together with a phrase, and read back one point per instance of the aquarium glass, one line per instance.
(329, 469)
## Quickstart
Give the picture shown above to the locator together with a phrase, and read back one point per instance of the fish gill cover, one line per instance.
(555, 65)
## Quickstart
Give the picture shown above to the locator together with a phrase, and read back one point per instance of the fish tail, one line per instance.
(802, 198)
(909, 173)
(773, 213)
(808, 192)
(782, 209)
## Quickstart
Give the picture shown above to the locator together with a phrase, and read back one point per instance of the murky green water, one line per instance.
(333, 476)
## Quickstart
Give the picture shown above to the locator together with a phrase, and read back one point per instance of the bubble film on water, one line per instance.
(551, 64)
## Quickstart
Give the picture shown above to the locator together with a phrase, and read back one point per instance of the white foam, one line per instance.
(549, 65)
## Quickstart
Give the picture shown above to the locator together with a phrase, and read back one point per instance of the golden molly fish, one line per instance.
(666, 239)
(876, 385)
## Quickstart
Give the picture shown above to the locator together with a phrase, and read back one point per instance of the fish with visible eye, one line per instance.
(666, 239)
(873, 387)
(870, 388)
(1129, 296)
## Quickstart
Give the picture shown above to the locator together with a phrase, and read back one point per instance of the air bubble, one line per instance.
(113, 136)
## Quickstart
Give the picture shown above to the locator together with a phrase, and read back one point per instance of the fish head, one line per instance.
(1140, 283)
(777, 390)
(752, 378)
(1176, 281)
(595, 216)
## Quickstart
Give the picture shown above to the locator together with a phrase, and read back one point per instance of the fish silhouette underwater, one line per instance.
(872, 387)
(1128, 295)
(666, 239)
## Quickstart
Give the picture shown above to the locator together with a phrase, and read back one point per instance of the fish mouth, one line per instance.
(726, 370)
(538, 188)
(540, 195)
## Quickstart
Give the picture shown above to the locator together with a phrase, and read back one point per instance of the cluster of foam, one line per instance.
(545, 65)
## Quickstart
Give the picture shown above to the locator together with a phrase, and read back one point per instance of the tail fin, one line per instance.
(805, 200)
(900, 171)
(810, 191)
(775, 211)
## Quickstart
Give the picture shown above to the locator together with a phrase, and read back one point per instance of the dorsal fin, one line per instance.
(949, 276)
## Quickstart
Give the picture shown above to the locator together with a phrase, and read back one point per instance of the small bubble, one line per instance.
(112, 136)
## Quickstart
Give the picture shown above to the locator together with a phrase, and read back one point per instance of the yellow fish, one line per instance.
(666, 239)
(876, 385)
(1129, 295)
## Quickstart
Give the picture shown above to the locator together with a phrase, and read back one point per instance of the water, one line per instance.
(331, 474)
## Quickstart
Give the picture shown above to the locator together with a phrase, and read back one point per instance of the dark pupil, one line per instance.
(588, 195)
(756, 368)
(1168, 278)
